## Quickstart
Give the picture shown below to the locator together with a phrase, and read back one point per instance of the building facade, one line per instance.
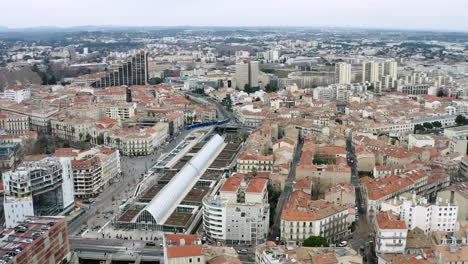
(303, 217)
(239, 213)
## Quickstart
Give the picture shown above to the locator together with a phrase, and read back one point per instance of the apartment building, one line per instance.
(378, 190)
(390, 233)
(248, 162)
(341, 193)
(137, 141)
(36, 240)
(239, 213)
(72, 129)
(17, 94)
(456, 131)
(328, 174)
(416, 211)
(303, 217)
(459, 194)
(39, 117)
(120, 110)
(458, 144)
(416, 89)
(92, 169)
(47, 181)
(14, 123)
(343, 73)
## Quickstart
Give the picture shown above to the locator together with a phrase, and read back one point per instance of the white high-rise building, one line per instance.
(271, 56)
(391, 69)
(254, 71)
(239, 213)
(370, 72)
(343, 73)
(416, 211)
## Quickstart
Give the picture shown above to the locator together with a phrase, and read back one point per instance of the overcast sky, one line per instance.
(407, 14)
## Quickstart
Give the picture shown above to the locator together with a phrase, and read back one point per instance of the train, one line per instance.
(211, 123)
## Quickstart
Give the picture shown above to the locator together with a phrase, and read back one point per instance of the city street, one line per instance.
(362, 237)
(284, 197)
(107, 203)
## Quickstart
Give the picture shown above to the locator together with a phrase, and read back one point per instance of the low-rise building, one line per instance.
(459, 144)
(341, 193)
(303, 217)
(456, 131)
(420, 141)
(182, 249)
(390, 234)
(417, 212)
(451, 254)
(17, 94)
(137, 141)
(14, 123)
(247, 162)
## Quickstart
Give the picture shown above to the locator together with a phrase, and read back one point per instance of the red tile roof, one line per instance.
(256, 185)
(386, 220)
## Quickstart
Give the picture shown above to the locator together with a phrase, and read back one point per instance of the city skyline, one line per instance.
(416, 15)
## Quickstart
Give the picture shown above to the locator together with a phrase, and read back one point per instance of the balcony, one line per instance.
(393, 244)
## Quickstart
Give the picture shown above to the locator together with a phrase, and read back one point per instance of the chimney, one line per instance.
(452, 196)
(182, 242)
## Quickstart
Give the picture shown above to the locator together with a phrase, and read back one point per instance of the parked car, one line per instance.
(343, 243)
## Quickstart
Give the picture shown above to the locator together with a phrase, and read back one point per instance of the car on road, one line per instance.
(343, 244)
(150, 244)
(242, 251)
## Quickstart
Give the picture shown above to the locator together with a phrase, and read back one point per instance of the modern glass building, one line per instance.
(133, 72)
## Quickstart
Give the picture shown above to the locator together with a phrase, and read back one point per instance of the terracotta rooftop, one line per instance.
(386, 220)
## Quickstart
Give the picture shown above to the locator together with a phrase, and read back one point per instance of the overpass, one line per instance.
(109, 251)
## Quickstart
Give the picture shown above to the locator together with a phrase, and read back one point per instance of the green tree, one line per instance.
(428, 125)
(440, 93)
(437, 124)
(271, 88)
(318, 161)
(315, 241)
(155, 80)
(460, 120)
(227, 102)
(419, 128)
(268, 70)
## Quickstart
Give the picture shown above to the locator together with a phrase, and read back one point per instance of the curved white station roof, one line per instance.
(172, 194)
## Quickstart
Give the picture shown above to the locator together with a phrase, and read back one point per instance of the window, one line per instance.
(190, 260)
